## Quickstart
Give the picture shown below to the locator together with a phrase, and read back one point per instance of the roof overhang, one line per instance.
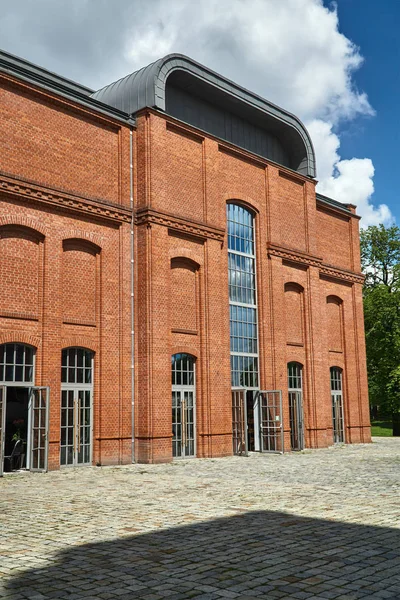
(147, 88)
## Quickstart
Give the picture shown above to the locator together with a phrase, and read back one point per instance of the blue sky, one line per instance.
(374, 27)
(334, 65)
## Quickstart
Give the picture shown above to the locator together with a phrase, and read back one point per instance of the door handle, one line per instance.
(79, 424)
(184, 436)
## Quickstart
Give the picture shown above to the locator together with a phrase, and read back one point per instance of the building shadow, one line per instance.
(261, 554)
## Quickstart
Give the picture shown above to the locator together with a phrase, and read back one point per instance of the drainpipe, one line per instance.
(132, 294)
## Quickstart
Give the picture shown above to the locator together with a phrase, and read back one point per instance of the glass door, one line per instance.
(337, 405)
(271, 425)
(337, 415)
(76, 427)
(183, 425)
(296, 416)
(3, 400)
(38, 440)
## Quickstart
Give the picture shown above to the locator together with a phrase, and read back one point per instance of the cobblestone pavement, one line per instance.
(318, 524)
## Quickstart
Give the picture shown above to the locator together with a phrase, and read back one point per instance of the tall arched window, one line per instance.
(183, 405)
(242, 297)
(337, 404)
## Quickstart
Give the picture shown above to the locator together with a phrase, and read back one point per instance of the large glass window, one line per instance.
(242, 297)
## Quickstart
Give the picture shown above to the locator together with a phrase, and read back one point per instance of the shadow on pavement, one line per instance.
(259, 554)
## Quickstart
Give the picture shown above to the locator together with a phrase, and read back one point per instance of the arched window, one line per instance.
(17, 364)
(337, 404)
(76, 406)
(295, 391)
(242, 297)
(183, 406)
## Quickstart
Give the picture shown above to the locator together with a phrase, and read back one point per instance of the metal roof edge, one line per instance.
(47, 80)
(333, 203)
(149, 85)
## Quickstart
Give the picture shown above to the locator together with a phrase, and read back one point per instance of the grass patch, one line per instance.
(382, 428)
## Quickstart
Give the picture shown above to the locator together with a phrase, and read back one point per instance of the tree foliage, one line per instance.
(380, 257)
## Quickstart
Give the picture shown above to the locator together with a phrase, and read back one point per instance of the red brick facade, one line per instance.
(65, 252)
(65, 263)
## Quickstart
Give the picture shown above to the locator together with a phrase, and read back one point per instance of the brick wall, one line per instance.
(189, 178)
(65, 270)
(65, 258)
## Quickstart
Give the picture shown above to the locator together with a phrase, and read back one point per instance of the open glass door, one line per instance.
(271, 422)
(39, 428)
(3, 400)
(239, 422)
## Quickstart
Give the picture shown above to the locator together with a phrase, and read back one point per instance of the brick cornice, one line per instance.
(343, 274)
(310, 260)
(18, 188)
(294, 255)
(146, 216)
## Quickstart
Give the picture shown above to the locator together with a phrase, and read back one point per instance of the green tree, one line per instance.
(380, 258)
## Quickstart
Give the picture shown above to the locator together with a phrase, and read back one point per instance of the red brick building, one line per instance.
(161, 242)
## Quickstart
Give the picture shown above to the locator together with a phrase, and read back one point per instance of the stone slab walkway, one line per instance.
(315, 525)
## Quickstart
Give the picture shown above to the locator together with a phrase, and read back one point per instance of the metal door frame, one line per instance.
(240, 447)
(277, 433)
(31, 421)
(181, 389)
(296, 411)
(3, 407)
(335, 396)
(76, 388)
(296, 408)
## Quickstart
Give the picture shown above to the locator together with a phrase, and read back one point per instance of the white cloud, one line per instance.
(326, 146)
(289, 51)
(349, 181)
(354, 184)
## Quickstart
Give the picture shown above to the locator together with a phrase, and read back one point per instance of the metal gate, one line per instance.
(239, 422)
(271, 421)
(3, 395)
(39, 428)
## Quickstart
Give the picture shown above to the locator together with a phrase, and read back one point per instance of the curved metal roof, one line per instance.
(147, 88)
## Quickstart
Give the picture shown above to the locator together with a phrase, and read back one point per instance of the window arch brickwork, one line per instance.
(184, 294)
(294, 310)
(334, 310)
(21, 266)
(79, 281)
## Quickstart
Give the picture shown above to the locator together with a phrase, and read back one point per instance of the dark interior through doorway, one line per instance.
(16, 426)
(250, 420)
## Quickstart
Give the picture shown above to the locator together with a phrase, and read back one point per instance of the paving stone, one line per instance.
(314, 525)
